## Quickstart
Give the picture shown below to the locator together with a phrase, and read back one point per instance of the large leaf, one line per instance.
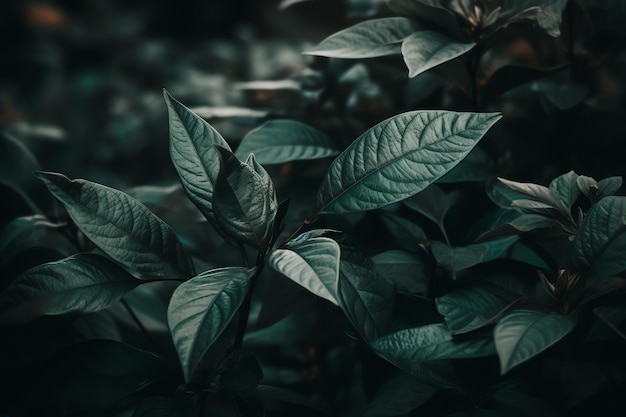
(601, 241)
(201, 308)
(193, 153)
(522, 334)
(279, 141)
(463, 257)
(372, 38)
(83, 282)
(244, 201)
(429, 343)
(312, 263)
(400, 157)
(121, 226)
(426, 49)
(365, 296)
(401, 394)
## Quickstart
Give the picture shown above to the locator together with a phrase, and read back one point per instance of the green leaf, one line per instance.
(244, 201)
(612, 316)
(121, 226)
(537, 193)
(469, 308)
(463, 257)
(83, 282)
(399, 157)
(563, 95)
(566, 186)
(610, 185)
(548, 16)
(406, 233)
(504, 222)
(399, 395)
(193, 152)
(279, 141)
(244, 375)
(312, 263)
(429, 343)
(201, 308)
(365, 296)
(510, 76)
(522, 334)
(600, 244)
(475, 167)
(408, 271)
(433, 203)
(372, 38)
(426, 49)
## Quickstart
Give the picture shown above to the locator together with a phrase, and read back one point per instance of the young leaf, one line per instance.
(537, 193)
(609, 186)
(401, 394)
(365, 296)
(426, 49)
(566, 186)
(522, 334)
(201, 308)
(83, 282)
(372, 38)
(399, 157)
(600, 244)
(431, 342)
(244, 201)
(121, 226)
(193, 153)
(279, 141)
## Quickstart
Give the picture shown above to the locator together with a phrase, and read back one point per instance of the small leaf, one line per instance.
(201, 308)
(372, 38)
(399, 157)
(433, 203)
(426, 49)
(121, 226)
(600, 244)
(522, 334)
(463, 257)
(83, 282)
(244, 201)
(609, 186)
(312, 263)
(193, 153)
(566, 186)
(399, 395)
(279, 141)
(431, 342)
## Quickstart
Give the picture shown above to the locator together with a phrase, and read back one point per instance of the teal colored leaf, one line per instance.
(279, 141)
(399, 395)
(429, 343)
(589, 187)
(426, 49)
(433, 203)
(83, 282)
(399, 157)
(411, 273)
(600, 244)
(563, 95)
(365, 296)
(504, 222)
(193, 152)
(201, 308)
(121, 226)
(566, 186)
(405, 232)
(475, 167)
(548, 15)
(312, 263)
(522, 334)
(537, 193)
(463, 257)
(612, 316)
(244, 203)
(372, 38)
(610, 185)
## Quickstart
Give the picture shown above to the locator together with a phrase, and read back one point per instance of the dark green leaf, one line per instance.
(408, 271)
(201, 308)
(566, 186)
(244, 375)
(244, 203)
(588, 186)
(193, 152)
(511, 76)
(312, 263)
(121, 226)
(175, 406)
(408, 234)
(537, 193)
(563, 95)
(614, 317)
(426, 49)
(601, 241)
(433, 203)
(609, 186)
(475, 167)
(504, 222)
(463, 257)
(279, 141)
(400, 157)
(83, 282)
(372, 38)
(522, 334)
(399, 395)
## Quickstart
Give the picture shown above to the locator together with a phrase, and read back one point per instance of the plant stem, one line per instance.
(141, 327)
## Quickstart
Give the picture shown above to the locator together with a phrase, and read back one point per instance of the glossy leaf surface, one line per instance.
(426, 49)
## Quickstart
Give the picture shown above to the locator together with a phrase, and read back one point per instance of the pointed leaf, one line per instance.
(601, 241)
(244, 201)
(279, 141)
(408, 271)
(372, 38)
(522, 334)
(610, 185)
(426, 49)
(400, 157)
(432, 203)
(201, 308)
(122, 227)
(537, 193)
(83, 282)
(312, 263)
(463, 257)
(566, 187)
(193, 153)
(405, 232)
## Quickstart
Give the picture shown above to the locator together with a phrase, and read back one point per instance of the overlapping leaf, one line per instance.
(400, 157)
(425, 49)
(121, 226)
